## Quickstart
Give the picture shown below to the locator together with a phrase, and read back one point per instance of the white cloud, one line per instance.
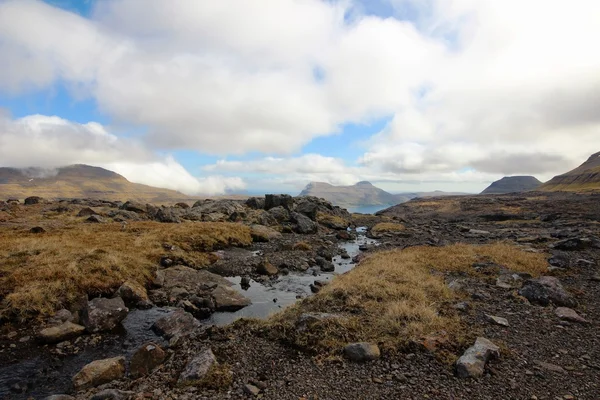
(43, 141)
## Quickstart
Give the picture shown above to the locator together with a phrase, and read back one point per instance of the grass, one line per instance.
(332, 221)
(387, 227)
(395, 298)
(42, 273)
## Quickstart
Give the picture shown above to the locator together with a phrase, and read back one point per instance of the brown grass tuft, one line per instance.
(332, 221)
(385, 227)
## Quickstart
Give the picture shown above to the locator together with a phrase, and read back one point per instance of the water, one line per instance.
(369, 209)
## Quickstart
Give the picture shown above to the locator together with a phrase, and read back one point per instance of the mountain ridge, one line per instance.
(513, 184)
(584, 178)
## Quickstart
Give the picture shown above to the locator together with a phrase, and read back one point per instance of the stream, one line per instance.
(39, 373)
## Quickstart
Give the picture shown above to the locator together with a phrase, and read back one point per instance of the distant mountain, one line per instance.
(361, 194)
(513, 184)
(80, 181)
(584, 178)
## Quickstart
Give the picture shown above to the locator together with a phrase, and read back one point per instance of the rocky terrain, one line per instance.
(462, 297)
(586, 177)
(513, 184)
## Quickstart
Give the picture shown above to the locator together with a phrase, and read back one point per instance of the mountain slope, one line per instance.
(513, 184)
(584, 178)
(79, 181)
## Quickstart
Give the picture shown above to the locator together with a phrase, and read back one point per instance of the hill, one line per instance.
(584, 178)
(80, 181)
(513, 184)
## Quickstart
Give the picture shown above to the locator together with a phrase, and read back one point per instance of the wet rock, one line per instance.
(37, 230)
(95, 219)
(279, 200)
(103, 314)
(145, 359)
(99, 372)
(577, 244)
(251, 390)
(178, 323)
(245, 282)
(228, 299)
(86, 212)
(497, 320)
(67, 330)
(361, 352)
(134, 295)
(266, 268)
(546, 289)
(112, 394)
(197, 368)
(472, 363)
(345, 235)
(304, 225)
(261, 233)
(324, 264)
(569, 314)
(33, 200)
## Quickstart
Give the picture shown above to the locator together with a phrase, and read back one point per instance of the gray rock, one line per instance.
(251, 390)
(261, 233)
(178, 323)
(112, 394)
(569, 314)
(280, 214)
(135, 207)
(167, 215)
(308, 208)
(134, 294)
(361, 352)
(99, 372)
(228, 299)
(61, 316)
(191, 280)
(95, 219)
(546, 289)
(472, 363)
(59, 397)
(266, 268)
(304, 225)
(59, 333)
(197, 368)
(279, 200)
(86, 212)
(33, 200)
(577, 244)
(511, 280)
(145, 359)
(256, 203)
(478, 232)
(103, 314)
(559, 260)
(497, 320)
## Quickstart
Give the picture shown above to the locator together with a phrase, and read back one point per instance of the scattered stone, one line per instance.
(472, 363)
(95, 219)
(99, 372)
(569, 314)
(145, 359)
(197, 368)
(266, 268)
(497, 320)
(102, 314)
(251, 390)
(178, 323)
(66, 331)
(546, 289)
(228, 299)
(361, 352)
(134, 295)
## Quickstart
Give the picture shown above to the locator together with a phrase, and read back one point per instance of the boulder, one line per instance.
(99, 372)
(308, 208)
(192, 281)
(361, 352)
(182, 205)
(86, 212)
(177, 323)
(145, 359)
(256, 203)
(266, 268)
(33, 200)
(224, 207)
(135, 207)
(228, 299)
(167, 215)
(59, 333)
(95, 219)
(279, 200)
(37, 230)
(577, 244)
(304, 225)
(197, 368)
(497, 320)
(280, 214)
(102, 314)
(134, 295)
(546, 289)
(570, 315)
(261, 233)
(472, 363)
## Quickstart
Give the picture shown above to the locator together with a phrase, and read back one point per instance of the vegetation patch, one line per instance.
(387, 227)
(332, 221)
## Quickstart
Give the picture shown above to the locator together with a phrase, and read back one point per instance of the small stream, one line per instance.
(44, 373)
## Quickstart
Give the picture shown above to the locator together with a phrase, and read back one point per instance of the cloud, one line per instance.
(47, 142)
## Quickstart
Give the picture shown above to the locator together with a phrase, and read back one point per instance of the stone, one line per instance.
(33, 200)
(145, 359)
(102, 314)
(303, 224)
(478, 232)
(95, 219)
(134, 294)
(559, 260)
(472, 363)
(361, 352)
(99, 372)
(86, 212)
(256, 203)
(177, 323)
(112, 394)
(66, 331)
(546, 289)
(228, 299)
(59, 397)
(135, 207)
(308, 208)
(577, 244)
(497, 320)
(280, 214)
(279, 200)
(550, 367)
(511, 280)
(37, 230)
(197, 368)
(61, 316)
(324, 264)
(251, 390)
(191, 280)
(261, 233)
(569, 314)
(266, 268)
(167, 215)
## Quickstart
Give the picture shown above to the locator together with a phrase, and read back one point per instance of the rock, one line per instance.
(197, 368)
(279, 200)
(37, 230)
(167, 215)
(550, 367)
(134, 294)
(102, 314)
(266, 268)
(324, 264)
(361, 352)
(182, 205)
(304, 225)
(99, 372)
(61, 316)
(251, 390)
(228, 299)
(191, 280)
(308, 208)
(497, 320)
(280, 214)
(145, 359)
(569, 314)
(95, 219)
(256, 203)
(135, 207)
(478, 232)
(546, 289)
(86, 212)
(261, 233)
(577, 244)
(559, 260)
(67, 330)
(511, 280)
(472, 363)
(59, 397)
(112, 394)
(33, 200)
(177, 323)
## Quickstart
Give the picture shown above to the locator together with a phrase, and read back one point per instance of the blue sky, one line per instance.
(208, 97)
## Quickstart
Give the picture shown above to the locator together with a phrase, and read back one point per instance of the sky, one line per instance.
(254, 96)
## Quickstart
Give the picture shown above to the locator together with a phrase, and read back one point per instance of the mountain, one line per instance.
(362, 194)
(80, 181)
(584, 178)
(513, 184)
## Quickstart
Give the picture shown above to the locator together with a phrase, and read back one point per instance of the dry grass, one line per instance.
(385, 227)
(332, 221)
(41, 273)
(395, 298)
(303, 246)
